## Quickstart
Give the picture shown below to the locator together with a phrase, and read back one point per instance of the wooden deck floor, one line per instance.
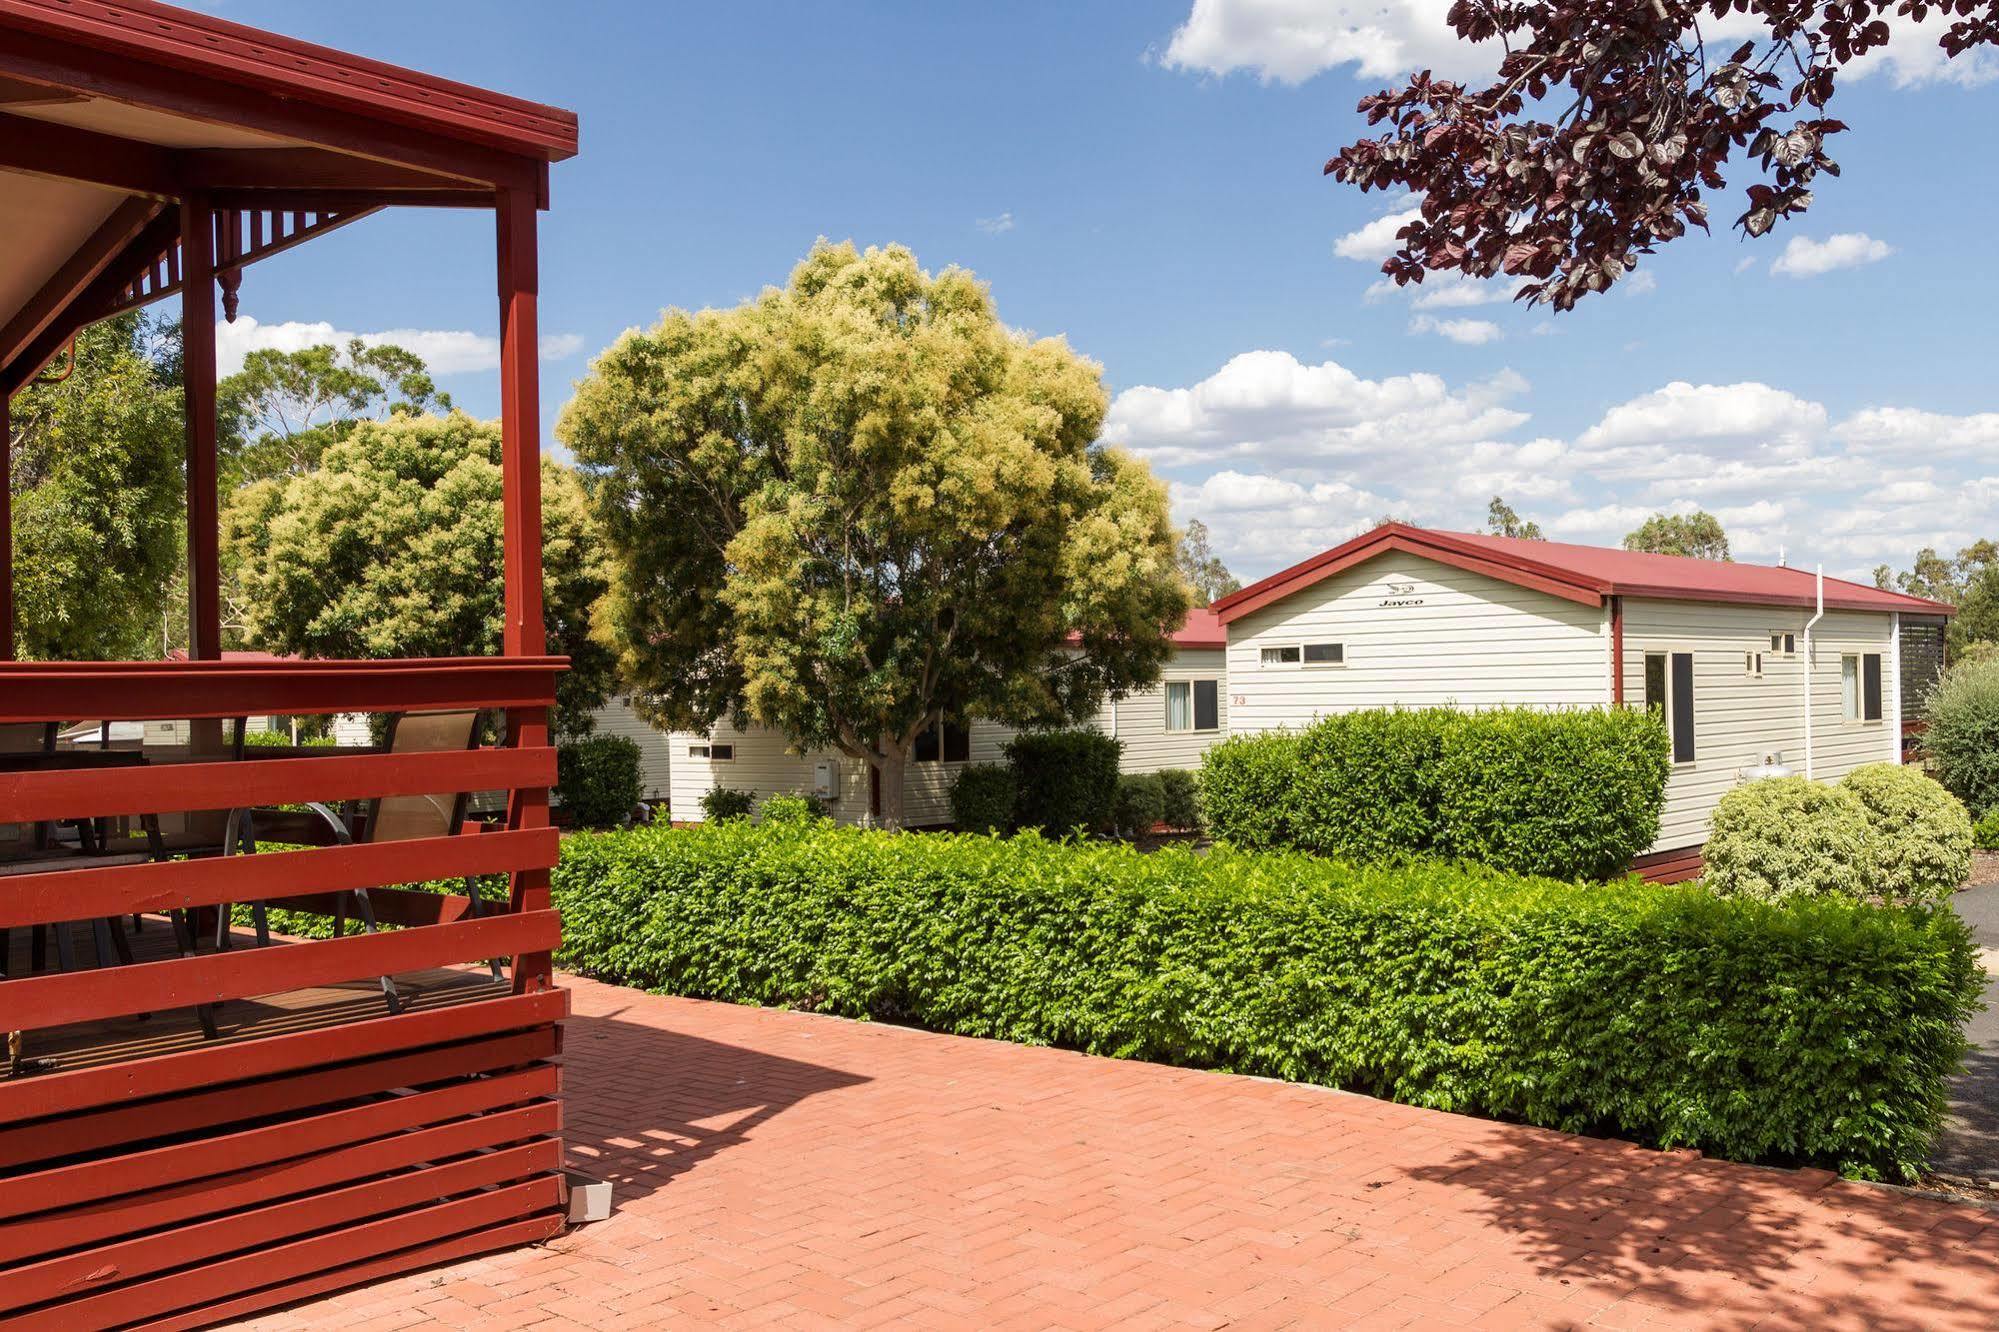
(111, 1041)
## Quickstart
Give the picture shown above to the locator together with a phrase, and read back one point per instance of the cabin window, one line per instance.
(1193, 705)
(1287, 655)
(1783, 645)
(1860, 686)
(1325, 654)
(713, 753)
(947, 740)
(1752, 665)
(1669, 692)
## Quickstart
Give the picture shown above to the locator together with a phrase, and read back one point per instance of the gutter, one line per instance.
(1818, 615)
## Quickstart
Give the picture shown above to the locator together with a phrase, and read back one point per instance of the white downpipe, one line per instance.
(1817, 615)
(1894, 686)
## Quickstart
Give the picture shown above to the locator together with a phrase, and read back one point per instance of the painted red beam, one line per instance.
(40, 796)
(49, 59)
(217, 169)
(351, 203)
(60, 293)
(36, 1002)
(64, 152)
(91, 894)
(86, 306)
(149, 690)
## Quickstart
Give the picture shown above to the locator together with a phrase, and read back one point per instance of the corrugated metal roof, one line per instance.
(1581, 573)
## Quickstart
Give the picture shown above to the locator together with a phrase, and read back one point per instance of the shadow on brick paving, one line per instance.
(661, 1102)
(1735, 1243)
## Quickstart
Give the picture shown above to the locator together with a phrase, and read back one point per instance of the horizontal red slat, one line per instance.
(186, 1164)
(36, 1002)
(88, 894)
(203, 1200)
(36, 796)
(511, 1235)
(214, 1281)
(97, 1268)
(151, 691)
(118, 1085)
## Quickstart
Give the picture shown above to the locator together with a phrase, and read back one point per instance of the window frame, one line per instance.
(1676, 669)
(712, 752)
(1338, 659)
(1866, 706)
(1192, 685)
(940, 737)
(1264, 658)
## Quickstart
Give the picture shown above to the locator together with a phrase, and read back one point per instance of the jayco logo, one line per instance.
(1400, 593)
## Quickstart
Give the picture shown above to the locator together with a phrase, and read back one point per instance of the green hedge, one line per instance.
(1064, 780)
(1960, 740)
(982, 798)
(1141, 803)
(1809, 1031)
(1572, 794)
(599, 779)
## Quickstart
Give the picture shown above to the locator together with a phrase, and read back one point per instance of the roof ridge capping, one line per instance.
(1581, 573)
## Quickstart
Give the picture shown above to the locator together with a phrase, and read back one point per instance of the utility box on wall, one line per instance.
(826, 779)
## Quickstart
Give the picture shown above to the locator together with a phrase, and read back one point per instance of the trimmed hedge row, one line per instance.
(1573, 794)
(1817, 1031)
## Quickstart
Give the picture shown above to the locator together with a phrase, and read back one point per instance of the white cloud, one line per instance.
(995, 226)
(1470, 332)
(1804, 257)
(1641, 283)
(1913, 56)
(1909, 432)
(1446, 290)
(1289, 41)
(1282, 460)
(445, 351)
(1376, 241)
(1269, 407)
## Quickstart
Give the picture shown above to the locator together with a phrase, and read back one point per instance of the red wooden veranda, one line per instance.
(196, 1132)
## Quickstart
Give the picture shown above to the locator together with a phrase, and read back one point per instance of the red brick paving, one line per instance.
(785, 1170)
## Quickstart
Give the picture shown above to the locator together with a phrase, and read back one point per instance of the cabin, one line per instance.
(1168, 725)
(1749, 664)
(198, 1121)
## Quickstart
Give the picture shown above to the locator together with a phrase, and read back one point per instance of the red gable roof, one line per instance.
(1202, 630)
(1586, 574)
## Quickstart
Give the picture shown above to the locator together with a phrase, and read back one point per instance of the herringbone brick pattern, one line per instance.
(780, 1170)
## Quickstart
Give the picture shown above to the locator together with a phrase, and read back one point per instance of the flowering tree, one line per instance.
(1607, 121)
(860, 504)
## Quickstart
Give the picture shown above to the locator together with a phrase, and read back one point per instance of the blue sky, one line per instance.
(1144, 179)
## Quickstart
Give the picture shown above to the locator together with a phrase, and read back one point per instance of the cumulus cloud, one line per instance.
(1804, 257)
(445, 351)
(1269, 407)
(995, 226)
(1283, 459)
(1448, 290)
(1470, 332)
(1375, 241)
(1289, 41)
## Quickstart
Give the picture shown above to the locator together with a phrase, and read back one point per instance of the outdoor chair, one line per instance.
(386, 819)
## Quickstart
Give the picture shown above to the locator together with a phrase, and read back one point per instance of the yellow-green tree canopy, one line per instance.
(393, 548)
(859, 504)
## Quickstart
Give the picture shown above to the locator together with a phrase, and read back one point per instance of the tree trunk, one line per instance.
(891, 762)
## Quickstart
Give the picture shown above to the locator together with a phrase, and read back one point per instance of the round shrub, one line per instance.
(598, 779)
(982, 798)
(1961, 732)
(1788, 837)
(792, 810)
(1920, 834)
(1246, 788)
(1064, 780)
(1182, 792)
(722, 805)
(1985, 832)
(1141, 803)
